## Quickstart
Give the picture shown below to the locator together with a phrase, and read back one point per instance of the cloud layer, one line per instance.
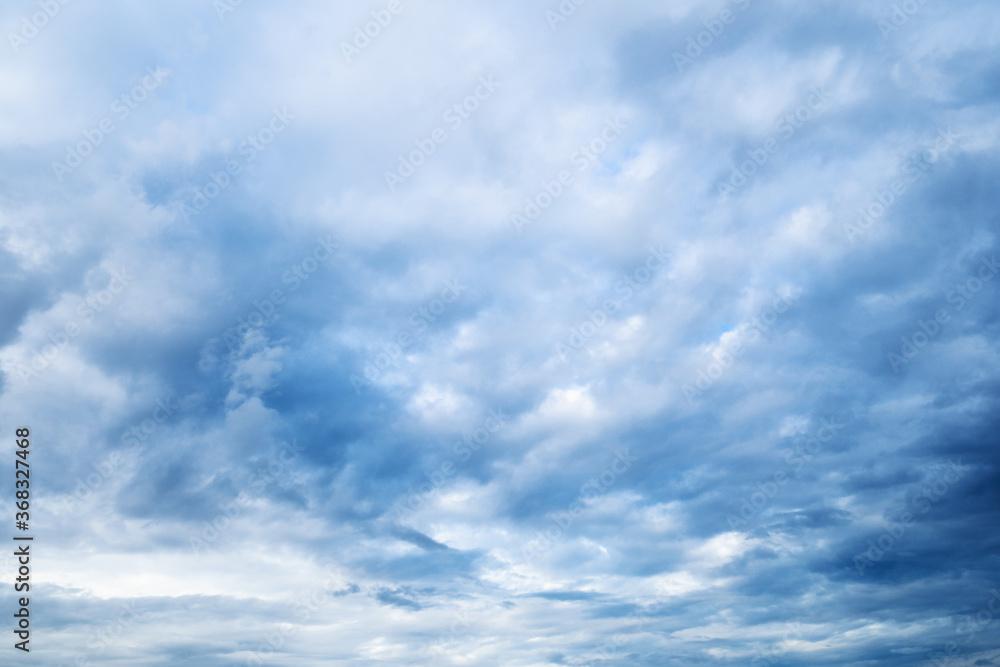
(515, 334)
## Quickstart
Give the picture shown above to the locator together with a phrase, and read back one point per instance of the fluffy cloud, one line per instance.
(675, 342)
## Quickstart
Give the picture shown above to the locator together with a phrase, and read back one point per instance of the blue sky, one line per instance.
(507, 334)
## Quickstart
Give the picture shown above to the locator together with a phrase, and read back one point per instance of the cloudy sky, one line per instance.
(503, 334)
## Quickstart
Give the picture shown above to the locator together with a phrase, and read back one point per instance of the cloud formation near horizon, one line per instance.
(505, 334)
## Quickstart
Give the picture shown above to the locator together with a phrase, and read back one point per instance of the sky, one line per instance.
(503, 334)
